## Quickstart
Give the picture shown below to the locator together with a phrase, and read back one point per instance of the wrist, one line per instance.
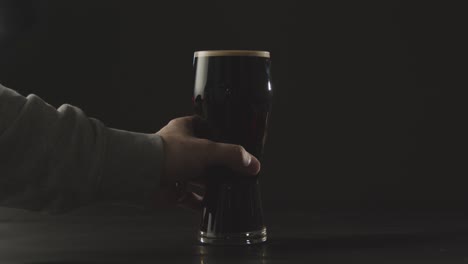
(132, 167)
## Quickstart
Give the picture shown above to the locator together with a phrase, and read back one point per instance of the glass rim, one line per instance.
(219, 53)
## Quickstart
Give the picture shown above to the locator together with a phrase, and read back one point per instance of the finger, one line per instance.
(191, 201)
(234, 157)
(196, 187)
(198, 184)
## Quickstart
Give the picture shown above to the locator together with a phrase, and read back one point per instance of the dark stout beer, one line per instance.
(233, 95)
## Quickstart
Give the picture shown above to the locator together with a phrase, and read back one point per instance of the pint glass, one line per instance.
(233, 95)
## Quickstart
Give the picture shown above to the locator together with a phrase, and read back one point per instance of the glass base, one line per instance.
(247, 238)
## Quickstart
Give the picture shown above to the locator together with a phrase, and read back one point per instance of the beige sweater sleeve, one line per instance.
(56, 160)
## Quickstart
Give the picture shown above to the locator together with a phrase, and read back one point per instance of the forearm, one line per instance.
(58, 159)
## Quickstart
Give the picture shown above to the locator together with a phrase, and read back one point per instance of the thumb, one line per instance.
(234, 157)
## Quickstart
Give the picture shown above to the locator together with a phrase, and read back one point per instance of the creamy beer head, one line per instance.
(248, 53)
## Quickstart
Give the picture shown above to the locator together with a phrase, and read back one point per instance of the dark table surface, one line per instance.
(116, 235)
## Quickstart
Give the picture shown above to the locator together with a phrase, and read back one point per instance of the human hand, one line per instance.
(187, 157)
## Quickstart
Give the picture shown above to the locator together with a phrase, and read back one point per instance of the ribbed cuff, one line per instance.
(132, 168)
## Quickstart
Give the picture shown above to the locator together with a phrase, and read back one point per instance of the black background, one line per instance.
(367, 110)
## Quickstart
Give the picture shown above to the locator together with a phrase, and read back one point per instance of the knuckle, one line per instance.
(239, 149)
(180, 120)
(172, 121)
(185, 118)
(206, 142)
